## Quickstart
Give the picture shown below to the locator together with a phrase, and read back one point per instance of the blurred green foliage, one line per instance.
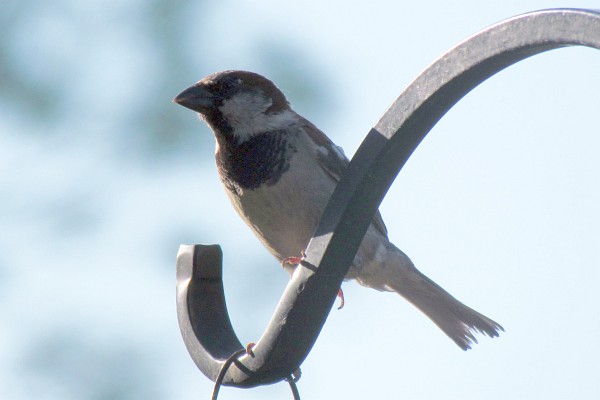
(87, 88)
(93, 370)
(118, 65)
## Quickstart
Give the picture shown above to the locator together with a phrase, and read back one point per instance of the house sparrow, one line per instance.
(279, 171)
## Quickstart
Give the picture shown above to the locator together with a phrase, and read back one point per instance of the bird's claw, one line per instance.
(297, 261)
(291, 261)
(341, 296)
(249, 347)
(294, 260)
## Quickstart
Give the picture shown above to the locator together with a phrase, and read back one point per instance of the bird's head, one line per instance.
(238, 103)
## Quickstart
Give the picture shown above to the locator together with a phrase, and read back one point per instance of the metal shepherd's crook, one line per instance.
(309, 296)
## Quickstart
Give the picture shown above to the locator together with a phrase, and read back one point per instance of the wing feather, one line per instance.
(333, 161)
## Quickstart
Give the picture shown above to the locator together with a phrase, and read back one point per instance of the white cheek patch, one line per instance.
(245, 112)
(243, 107)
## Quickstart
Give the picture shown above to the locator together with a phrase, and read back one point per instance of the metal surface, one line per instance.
(308, 298)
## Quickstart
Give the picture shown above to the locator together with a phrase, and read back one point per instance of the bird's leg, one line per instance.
(249, 347)
(297, 261)
(341, 296)
(293, 261)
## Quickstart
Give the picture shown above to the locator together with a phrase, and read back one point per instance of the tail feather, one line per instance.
(457, 320)
(388, 268)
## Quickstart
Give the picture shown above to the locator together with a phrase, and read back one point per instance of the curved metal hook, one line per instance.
(305, 304)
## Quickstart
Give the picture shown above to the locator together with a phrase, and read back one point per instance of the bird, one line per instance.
(279, 171)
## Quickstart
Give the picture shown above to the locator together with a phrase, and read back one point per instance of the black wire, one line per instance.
(291, 379)
(223, 371)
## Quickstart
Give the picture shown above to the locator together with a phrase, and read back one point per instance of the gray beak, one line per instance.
(196, 98)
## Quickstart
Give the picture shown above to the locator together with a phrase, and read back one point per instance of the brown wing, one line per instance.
(334, 162)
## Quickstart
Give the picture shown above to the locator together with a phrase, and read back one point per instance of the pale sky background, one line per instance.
(102, 178)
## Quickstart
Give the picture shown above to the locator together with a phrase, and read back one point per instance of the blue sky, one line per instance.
(498, 204)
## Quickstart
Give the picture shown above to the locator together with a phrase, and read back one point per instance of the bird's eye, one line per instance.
(225, 85)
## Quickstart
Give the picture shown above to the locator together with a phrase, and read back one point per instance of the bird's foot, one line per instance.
(341, 296)
(294, 260)
(297, 261)
(291, 261)
(249, 348)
